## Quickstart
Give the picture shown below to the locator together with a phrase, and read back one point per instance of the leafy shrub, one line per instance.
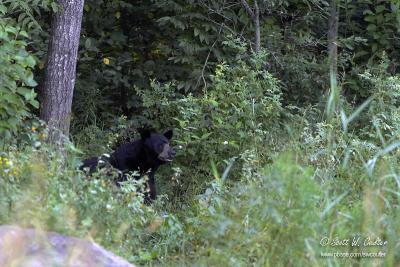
(275, 215)
(240, 112)
(279, 218)
(16, 79)
(43, 188)
(383, 112)
(263, 222)
(17, 63)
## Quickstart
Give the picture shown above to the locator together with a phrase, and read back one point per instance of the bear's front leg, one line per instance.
(150, 194)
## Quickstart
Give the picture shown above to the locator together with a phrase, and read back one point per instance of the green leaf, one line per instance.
(13, 121)
(11, 29)
(54, 7)
(358, 111)
(30, 81)
(25, 92)
(24, 34)
(380, 8)
(374, 47)
(30, 61)
(88, 43)
(34, 103)
(371, 28)
(332, 204)
(3, 9)
(368, 12)
(206, 135)
(214, 170)
(370, 18)
(11, 98)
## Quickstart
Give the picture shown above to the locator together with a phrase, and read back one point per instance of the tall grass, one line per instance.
(335, 180)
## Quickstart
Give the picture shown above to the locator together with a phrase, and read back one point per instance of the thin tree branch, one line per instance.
(248, 9)
(205, 63)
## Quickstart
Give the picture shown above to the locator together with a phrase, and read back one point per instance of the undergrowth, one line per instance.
(233, 196)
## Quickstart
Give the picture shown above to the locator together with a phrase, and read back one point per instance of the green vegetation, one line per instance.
(271, 163)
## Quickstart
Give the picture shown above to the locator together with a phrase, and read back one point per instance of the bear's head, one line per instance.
(158, 144)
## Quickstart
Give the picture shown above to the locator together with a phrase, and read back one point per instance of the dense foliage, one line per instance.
(16, 78)
(264, 172)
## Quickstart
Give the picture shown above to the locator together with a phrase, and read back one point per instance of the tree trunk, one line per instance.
(257, 27)
(333, 36)
(60, 73)
(255, 17)
(333, 54)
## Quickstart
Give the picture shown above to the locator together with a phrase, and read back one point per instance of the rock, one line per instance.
(20, 247)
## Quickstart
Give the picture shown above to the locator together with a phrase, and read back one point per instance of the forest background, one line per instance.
(286, 120)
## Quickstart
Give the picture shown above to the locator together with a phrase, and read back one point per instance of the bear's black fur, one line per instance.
(144, 155)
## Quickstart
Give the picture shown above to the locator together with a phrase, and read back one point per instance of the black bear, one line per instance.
(144, 155)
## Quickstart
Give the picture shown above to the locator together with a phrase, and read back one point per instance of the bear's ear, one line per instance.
(168, 134)
(144, 133)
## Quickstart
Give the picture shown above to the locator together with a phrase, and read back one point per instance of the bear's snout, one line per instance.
(167, 154)
(171, 153)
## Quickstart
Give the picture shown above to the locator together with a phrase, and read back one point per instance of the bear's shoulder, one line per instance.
(128, 155)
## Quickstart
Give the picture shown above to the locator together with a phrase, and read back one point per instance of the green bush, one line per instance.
(17, 63)
(16, 79)
(240, 112)
(383, 112)
(43, 188)
(263, 222)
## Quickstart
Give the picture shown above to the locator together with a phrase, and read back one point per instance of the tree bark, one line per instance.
(255, 17)
(333, 95)
(333, 36)
(332, 58)
(60, 72)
